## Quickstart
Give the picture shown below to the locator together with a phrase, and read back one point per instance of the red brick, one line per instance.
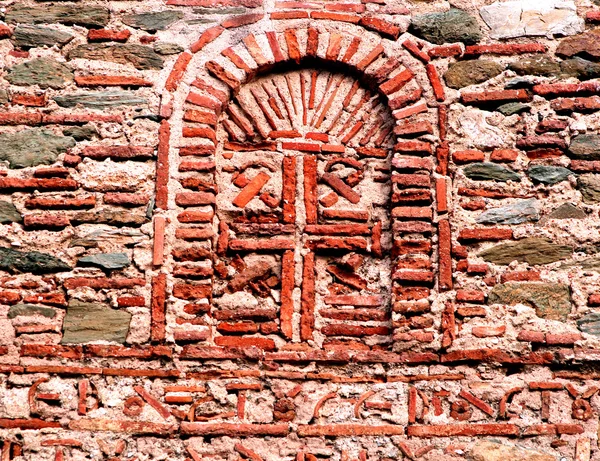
(148, 39)
(342, 17)
(162, 165)
(233, 341)
(52, 299)
(180, 66)
(194, 233)
(562, 339)
(485, 234)
(42, 350)
(446, 51)
(234, 429)
(467, 156)
(496, 97)
(397, 82)
(381, 26)
(21, 118)
(354, 7)
(409, 128)
(31, 100)
(474, 205)
(195, 165)
(118, 152)
(444, 255)
(110, 80)
(46, 221)
(593, 16)
(33, 423)
(189, 292)
(465, 430)
(9, 297)
(594, 299)
(410, 111)
(414, 276)
(144, 352)
(62, 202)
(241, 20)
(414, 49)
(289, 15)
(542, 141)
(436, 83)
(131, 301)
(477, 269)
(488, 331)
(208, 36)
(108, 35)
(158, 308)
(506, 49)
(52, 171)
(202, 101)
(553, 125)
(441, 191)
(585, 165)
(413, 147)
(19, 53)
(504, 155)
(195, 216)
(210, 118)
(219, 72)
(568, 105)
(200, 132)
(403, 99)
(353, 330)
(523, 276)
(485, 193)
(5, 31)
(412, 163)
(412, 180)
(470, 296)
(553, 90)
(159, 241)
(103, 283)
(126, 199)
(412, 212)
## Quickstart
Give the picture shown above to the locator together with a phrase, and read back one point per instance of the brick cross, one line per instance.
(301, 232)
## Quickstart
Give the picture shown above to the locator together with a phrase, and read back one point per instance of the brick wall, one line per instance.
(279, 230)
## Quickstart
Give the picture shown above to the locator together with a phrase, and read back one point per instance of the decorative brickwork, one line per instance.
(299, 231)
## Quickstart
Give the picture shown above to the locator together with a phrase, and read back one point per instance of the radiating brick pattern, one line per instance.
(287, 230)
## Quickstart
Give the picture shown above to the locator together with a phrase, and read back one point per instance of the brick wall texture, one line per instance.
(279, 230)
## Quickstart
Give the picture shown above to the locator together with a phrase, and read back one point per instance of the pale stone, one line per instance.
(87, 322)
(493, 451)
(9, 213)
(28, 310)
(515, 213)
(14, 261)
(550, 300)
(590, 324)
(532, 250)
(33, 147)
(109, 176)
(567, 211)
(473, 126)
(106, 261)
(521, 18)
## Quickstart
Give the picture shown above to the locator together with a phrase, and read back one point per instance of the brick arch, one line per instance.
(208, 106)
